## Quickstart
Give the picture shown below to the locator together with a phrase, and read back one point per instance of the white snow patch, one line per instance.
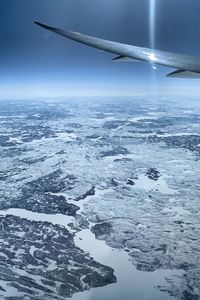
(148, 185)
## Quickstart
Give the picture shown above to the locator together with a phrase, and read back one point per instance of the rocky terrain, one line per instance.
(127, 168)
(38, 258)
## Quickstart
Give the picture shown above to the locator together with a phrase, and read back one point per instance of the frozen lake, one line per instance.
(131, 283)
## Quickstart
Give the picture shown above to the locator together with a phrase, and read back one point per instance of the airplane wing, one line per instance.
(187, 66)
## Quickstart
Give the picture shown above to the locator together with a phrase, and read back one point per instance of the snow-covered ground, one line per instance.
(123, 170)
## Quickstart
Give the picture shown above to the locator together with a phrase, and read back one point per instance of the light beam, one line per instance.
(152, 15)
(152, 40)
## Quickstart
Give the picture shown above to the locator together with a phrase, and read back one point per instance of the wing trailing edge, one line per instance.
(124, 59)
(184, 74)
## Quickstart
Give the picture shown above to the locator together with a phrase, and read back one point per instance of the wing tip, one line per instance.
(39, 24)
(44, 25)
(36, 22)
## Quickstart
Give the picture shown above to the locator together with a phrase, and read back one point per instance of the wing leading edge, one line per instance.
(183, 63)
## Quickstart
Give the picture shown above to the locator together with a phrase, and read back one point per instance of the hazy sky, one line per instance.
(36, 62)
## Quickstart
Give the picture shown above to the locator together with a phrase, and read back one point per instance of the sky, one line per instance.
(35, 62)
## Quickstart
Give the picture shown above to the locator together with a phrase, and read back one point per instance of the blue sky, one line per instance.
(35, 62)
